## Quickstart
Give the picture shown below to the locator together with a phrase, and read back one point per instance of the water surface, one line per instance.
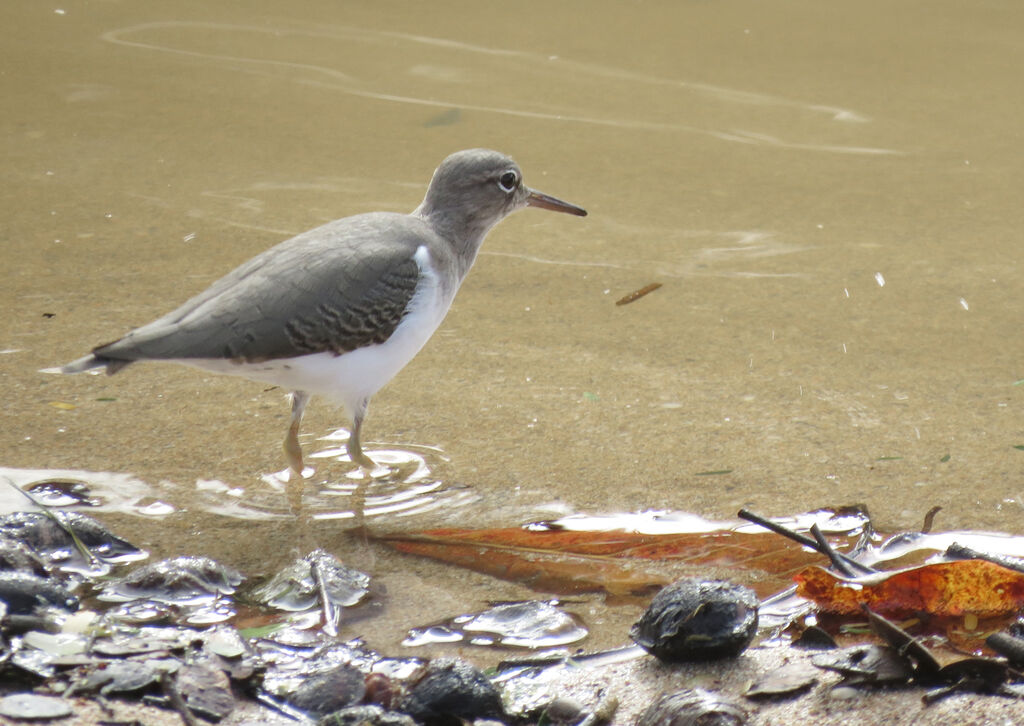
(830, 197)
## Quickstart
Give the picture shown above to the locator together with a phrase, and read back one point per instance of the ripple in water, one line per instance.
(409, 482)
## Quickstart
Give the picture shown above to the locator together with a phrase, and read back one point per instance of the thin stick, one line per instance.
(827, 549)
(637, 294)
(962, 552)
(802, 539)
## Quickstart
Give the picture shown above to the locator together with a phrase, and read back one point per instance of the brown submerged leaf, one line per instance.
(566, 561)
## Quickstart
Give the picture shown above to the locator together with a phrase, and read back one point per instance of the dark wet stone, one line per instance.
(33, 707)
(451, 691)
(177, 580)
(984, 674)
(16, 556)
(329, 691)
(206, 690)
(366, 716)
(122, 676)
(23, 593)
(698, 620)
(48, 534)
(693, 708)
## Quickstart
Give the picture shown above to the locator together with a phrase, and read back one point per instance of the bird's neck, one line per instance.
(462, 229)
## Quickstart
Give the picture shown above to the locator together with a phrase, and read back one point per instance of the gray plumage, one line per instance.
(333, 289)
(344, 288)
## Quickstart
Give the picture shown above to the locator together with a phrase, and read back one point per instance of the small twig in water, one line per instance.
(929, 519)
(826, 549)
(802, 539)
(961, 552)
(637, 294)
(92, 559)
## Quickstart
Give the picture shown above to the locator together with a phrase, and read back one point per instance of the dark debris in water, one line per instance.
(16, 556)
(330, 690)
(298, 666)
(180, 580)
(317, 581)
(24, 592)
(526, 624)
(61, 493)
(69, 541)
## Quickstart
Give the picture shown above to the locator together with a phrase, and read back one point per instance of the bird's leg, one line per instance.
(292, 450)
(355, 450)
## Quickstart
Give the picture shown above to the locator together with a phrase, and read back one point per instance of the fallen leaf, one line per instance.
(866, 664)
(568, 561)
(789, 680)
(944, 588)
(549, 572)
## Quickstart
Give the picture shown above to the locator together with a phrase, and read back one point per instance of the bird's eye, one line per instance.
(508, 181)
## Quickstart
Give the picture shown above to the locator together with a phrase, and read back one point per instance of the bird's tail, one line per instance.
(88, 363)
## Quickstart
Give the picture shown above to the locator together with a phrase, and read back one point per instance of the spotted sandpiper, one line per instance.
(340, 309)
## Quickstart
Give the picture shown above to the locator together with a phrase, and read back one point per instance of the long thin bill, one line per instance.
(543, 201)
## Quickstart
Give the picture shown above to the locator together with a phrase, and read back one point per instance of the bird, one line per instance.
(339, 310)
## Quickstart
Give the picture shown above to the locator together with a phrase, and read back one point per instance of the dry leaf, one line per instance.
(945, 588)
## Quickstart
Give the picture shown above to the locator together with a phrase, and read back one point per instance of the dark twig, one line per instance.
(803, 539)
(961, 552)
(282, 708)
(826, 549)
(929, 519)
(59, 520)
(1007, 645)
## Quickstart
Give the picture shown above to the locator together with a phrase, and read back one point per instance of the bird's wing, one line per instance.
(334, 289)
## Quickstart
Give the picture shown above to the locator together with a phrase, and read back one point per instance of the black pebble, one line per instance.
(450, 692)
(698, 620)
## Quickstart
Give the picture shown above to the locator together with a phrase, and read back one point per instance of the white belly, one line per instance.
(352, 378)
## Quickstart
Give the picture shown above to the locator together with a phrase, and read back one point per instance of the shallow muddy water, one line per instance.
(829, 196)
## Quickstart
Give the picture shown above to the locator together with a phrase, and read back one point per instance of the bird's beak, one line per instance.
(543, 201)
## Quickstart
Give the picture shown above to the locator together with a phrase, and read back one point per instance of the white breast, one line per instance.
(352, 378)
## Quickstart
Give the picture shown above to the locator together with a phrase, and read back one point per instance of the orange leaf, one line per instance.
(548, 572)
(566, 561)
(944, 588)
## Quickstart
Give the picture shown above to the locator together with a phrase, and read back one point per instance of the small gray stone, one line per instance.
(33, 707)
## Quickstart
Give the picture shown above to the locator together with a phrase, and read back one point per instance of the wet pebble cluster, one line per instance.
(161, 634)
